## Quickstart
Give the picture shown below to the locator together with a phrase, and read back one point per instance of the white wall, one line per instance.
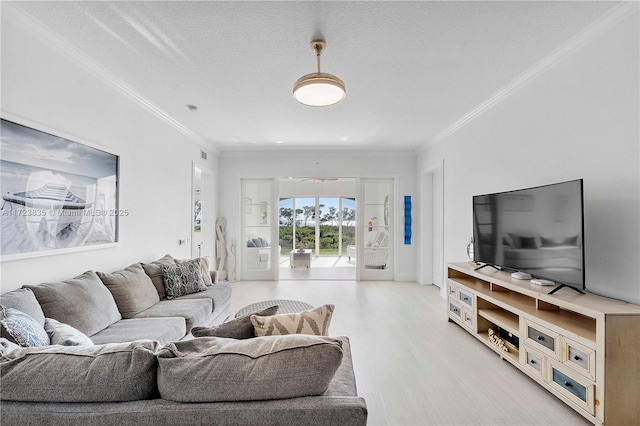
(579, 119)
(325, 164)
(51, 90)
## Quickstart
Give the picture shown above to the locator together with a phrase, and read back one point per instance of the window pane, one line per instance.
(305, 213)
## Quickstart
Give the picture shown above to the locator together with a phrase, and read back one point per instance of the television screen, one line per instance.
(536, 230)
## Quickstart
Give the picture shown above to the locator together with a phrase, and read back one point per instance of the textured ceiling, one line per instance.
(412, 69)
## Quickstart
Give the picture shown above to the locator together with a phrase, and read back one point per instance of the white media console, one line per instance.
(583, 348)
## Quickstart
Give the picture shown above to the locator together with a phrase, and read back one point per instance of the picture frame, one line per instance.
(248, 205)
(58, 195)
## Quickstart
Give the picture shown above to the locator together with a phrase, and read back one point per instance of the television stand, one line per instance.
(485, 265)
(583, 349)
(564, 285)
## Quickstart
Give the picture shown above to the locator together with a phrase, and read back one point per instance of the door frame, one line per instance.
(207, 228)
(432, 265)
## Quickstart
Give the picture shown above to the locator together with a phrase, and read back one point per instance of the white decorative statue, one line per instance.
(231, 261)
(221, 247)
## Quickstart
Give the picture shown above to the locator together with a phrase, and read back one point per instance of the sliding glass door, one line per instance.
(324, 225)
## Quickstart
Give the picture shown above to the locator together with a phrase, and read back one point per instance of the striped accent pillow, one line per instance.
(314, 321)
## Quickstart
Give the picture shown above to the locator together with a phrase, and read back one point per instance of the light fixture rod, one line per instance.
(318, 47)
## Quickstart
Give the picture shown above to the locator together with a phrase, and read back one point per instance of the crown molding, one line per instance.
(593, 31)
(57, 43)
(351, 153)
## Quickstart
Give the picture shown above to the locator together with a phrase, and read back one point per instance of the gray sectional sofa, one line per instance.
(124, 306)
(115, 382)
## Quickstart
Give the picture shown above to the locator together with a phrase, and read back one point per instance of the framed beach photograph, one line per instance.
(57, 194)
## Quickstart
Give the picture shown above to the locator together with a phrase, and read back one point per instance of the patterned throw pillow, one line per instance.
(21, 328)
(181, 279)
(314, 321)
(204, 267)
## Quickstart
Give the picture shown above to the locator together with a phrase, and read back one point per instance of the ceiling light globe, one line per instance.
(319, 89)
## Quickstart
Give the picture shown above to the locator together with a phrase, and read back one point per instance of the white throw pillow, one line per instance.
(63, 334)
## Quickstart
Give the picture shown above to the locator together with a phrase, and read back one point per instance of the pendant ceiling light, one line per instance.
(318, 88)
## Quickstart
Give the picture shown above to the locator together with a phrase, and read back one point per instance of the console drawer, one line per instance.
(453, 290)
(576, 388)
(467, 319)
(543, 339)
(455, 311)
(465, 297)
(536, 363)
(579, 358)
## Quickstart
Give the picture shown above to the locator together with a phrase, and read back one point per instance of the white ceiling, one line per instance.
(412, 69)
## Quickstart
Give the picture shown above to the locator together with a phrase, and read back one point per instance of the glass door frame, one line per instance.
(258, 216)
(363, 228)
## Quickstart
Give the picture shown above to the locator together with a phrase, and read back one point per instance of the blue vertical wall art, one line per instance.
(407, 219)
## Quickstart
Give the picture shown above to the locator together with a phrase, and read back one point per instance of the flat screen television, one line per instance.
(538, 230)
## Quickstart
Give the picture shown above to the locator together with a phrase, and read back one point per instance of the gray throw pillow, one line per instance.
(25, 301)
(211, 369)
(132, 289)
(101, 373)
(82, 302)
(238, 328)
(154, 271)
(22, 329)
(63, 334)
(183, 278)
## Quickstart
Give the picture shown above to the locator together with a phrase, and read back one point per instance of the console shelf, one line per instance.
(501, 318)
(585, 349)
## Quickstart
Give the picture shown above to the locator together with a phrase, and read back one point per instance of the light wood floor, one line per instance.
(414, 367)
(322, 268)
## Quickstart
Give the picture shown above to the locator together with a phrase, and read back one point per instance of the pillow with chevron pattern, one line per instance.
(314, 321)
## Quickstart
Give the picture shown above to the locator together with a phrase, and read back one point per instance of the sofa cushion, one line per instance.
(63, 334)
(163, 330)
(210, 369)
(21, 328)
(25, 301)
(154, 271)
(194, 311)
(204, 268)
(102, 373)
(132, 289)
(237, 328)
(82, 302)
(314, 321)
(182, 278)
(219, 294)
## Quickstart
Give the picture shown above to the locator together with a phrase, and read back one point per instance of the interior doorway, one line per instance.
(432, 253)
(317, 228)
(202, 230)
